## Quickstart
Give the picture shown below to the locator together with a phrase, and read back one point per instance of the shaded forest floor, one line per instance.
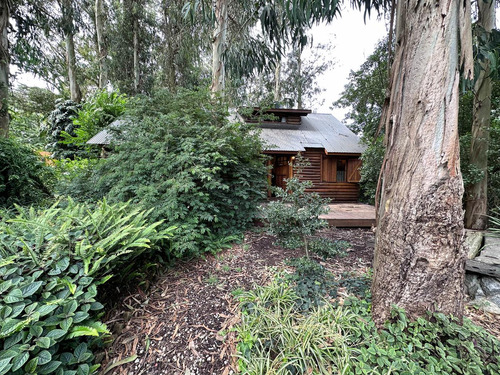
(175, 328)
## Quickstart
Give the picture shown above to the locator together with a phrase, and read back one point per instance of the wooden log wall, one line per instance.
(336, 191)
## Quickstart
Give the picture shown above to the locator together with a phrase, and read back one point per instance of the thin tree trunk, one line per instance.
(219, 46)
(476, 197)
(101, 44)
(277, 82)
(170, 51)
(67, 14)
(136, 53)
(419, 258)
(299, 78)
(4, 68)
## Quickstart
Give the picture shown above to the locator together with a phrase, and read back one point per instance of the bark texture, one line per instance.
(137, 70)
(419, 258)
(4, 68)
(476, 198)
(101, 43)
(219, 46)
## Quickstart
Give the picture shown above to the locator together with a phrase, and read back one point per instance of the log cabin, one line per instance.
(332, 150)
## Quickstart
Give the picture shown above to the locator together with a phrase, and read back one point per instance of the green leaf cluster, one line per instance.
(180, 157)
(60, 121)
(276, 338)
(51, 262)
(24, 178)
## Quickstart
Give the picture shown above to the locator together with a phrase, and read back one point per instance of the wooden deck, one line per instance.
(350, 215)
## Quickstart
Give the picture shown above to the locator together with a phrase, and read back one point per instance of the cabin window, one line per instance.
(341, 170)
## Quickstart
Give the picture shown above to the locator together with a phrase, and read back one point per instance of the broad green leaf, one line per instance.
(12, 340)
(43, 342)
(31, 366)
(49, 368)
(17, 309)
(7, 354)
(5, 366)
(4, 286)
(83, 369)
(56, 333)
(46, 309)
(80, 351)
(66, 323)
(20, 360)
(44, 357)
(31, 289)
(11, 326)
(80, 316)
(83, 331)
(5, 312)
(14, 296)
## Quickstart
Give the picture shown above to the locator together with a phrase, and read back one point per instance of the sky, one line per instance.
(353, 42)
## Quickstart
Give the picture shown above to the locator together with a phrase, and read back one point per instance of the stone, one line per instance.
(486, 305)
(490, 253)
(472, 284)
(490, 285)
(495, 299)
(473, 242)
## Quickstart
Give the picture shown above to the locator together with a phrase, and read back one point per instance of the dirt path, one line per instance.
(175, 329)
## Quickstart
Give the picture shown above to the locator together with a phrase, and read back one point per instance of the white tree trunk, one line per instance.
(277, 82)
(136, 54)
(74, 88)
(219, 46)
(4, 68)
(101, 44)
(419, 258)
(476, 206)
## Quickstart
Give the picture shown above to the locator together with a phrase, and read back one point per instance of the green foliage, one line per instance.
(276, 338)
(372, 159)
(24, 179)
(294, 217)
(60, 121)
(327, 248)
(70, 173)
(51, 262)
(182, 158)
(96, 113)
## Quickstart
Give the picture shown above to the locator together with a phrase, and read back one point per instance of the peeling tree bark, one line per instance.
(4, 68)
(419, 258)
(101, 44)
(67, 14)
(219, 46)
(476, 197)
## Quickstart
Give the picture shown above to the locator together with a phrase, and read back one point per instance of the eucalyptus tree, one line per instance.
(476, 194)
(102, 50)
(419, 258)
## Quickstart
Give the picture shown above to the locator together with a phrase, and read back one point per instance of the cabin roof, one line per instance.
(315, 131)
(105, 136)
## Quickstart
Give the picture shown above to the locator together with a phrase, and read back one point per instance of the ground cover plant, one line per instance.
(276, 338)
(183, 159)
(51, 263)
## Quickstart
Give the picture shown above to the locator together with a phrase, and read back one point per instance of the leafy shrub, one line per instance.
(96, 113)
(182, 158)
(275, 338)
(51, 262)
(24, 179)
(60, 121)
(372, 158)
(327, 248)
(294, 217)
(69, 176)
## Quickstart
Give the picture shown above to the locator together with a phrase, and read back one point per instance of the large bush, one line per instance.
(51, 262)
(181, 157)
(60, 122)
(24, 179)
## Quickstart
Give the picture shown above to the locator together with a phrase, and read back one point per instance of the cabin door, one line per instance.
(281, 170)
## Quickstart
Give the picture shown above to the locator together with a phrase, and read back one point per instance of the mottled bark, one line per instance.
(136, 53)
(419, 257)
(101, 44)
(219, 46)
(476, 197)
(4, 68)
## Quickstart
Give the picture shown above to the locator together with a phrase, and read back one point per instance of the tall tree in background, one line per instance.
(68, 28)
(102, 51)
(476, 195)
(4, 67)
(419, 259)
(219, 45)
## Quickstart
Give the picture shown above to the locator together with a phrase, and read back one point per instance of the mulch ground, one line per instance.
(175, 328)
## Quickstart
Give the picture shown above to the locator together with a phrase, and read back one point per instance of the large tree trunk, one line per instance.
(136, 54)
(101, 44)
(277, 82)
(419, 258)
(69, 30)
(219, 46)
(4, 68)
(476, 197)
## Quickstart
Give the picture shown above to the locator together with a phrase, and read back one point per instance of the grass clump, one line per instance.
(276, 338)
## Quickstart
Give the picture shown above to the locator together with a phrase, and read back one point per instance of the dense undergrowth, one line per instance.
(51, 263)
(339, 337)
